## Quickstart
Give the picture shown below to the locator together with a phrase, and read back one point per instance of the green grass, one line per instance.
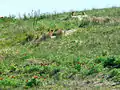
(90, 53)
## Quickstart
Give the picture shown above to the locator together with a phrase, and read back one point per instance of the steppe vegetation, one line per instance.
(88, 58)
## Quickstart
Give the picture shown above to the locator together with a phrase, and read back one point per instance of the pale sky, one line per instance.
(26, 6)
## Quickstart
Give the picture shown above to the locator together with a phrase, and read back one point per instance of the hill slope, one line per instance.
(88, 57)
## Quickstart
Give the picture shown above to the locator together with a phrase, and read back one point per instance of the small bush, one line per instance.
(32, 82)
(9, 82)
(117, 63)
(100, 59)
(109, 62)
(84, 23)
(95, 69)
(114, 72)
(31, 69)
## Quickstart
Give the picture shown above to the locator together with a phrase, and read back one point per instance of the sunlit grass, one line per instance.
(89, 54)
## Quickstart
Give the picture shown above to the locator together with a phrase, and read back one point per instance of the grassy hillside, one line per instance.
(88, 57)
